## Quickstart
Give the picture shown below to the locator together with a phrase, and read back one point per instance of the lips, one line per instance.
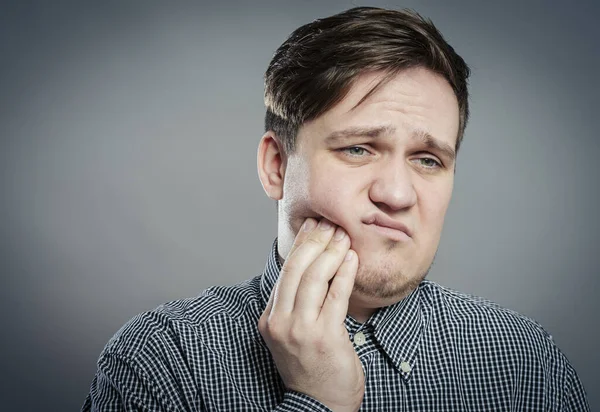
(389, 227)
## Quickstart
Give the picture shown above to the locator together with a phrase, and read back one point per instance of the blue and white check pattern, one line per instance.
(436, 350)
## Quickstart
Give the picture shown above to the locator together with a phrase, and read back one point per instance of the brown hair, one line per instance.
(316, 66)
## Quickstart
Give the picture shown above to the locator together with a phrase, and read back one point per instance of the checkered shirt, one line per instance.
(435, 350)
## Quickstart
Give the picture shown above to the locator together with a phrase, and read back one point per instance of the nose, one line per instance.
(392, 186)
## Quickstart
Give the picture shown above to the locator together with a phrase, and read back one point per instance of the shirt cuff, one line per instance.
(300, 402)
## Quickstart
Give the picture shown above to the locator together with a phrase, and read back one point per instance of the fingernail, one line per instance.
(309, 225)
(324, 224)
(339, 234)
(349, 255)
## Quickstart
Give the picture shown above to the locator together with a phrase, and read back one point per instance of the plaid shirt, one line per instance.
(435, 350)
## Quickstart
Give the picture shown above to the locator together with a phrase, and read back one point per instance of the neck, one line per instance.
(361, 314)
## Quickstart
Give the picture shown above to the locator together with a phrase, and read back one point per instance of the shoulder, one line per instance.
(486, 335)
(185, 319)
(466, 308)
(159, 358)
(485, 324)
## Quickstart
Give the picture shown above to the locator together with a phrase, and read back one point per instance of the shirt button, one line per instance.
(405, 366)
(359, 339)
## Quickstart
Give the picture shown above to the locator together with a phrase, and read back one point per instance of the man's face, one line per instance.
(390, 158)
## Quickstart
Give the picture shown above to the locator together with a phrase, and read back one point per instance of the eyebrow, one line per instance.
(374, 132)
(340, 135)
(432, 143)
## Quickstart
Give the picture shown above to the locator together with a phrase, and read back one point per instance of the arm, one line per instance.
(574, 397)
(120, 385)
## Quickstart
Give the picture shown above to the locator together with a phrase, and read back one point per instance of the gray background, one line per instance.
(128, 170)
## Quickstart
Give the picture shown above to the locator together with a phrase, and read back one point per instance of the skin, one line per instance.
(393, 173)
(303, 323)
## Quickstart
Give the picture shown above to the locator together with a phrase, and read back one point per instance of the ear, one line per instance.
(271, 162)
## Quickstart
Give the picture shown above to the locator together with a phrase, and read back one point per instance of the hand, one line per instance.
(303, 323)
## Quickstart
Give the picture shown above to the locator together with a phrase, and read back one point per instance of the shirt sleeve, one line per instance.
(300, 402)
(120, 386)
(575, 399)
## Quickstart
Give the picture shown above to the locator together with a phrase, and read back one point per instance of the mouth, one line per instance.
(389, 228)
(393, 234)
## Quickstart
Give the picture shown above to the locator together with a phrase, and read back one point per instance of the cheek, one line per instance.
(334, 192)
(330, 198)
(433, 207)
(316, 192)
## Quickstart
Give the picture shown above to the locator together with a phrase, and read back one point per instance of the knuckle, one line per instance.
(298, 333)
(271, 327)
(314, 242)
(312, 276)
(340, 246)
(276, 336)
(264, 324)
(334, 295)
(288, 267)
(337, 248)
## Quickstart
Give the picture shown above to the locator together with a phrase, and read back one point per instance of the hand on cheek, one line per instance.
(303, 323)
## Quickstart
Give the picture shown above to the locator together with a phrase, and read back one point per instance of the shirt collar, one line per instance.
(270, 274)
(397, 328)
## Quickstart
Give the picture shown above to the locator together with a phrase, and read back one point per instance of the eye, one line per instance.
(355, 151)
(429, 162)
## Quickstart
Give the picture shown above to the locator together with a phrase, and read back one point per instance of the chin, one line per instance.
(384, 279)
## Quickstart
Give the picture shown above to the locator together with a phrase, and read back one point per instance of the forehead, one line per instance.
(413, 99)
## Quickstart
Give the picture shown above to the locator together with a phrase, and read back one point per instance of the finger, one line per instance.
(305, 230)
(335, 307)
(270, 301)
(294, 267)
(307, 227)
(315, 281)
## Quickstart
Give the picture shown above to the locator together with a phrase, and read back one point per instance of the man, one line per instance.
(366, 111)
